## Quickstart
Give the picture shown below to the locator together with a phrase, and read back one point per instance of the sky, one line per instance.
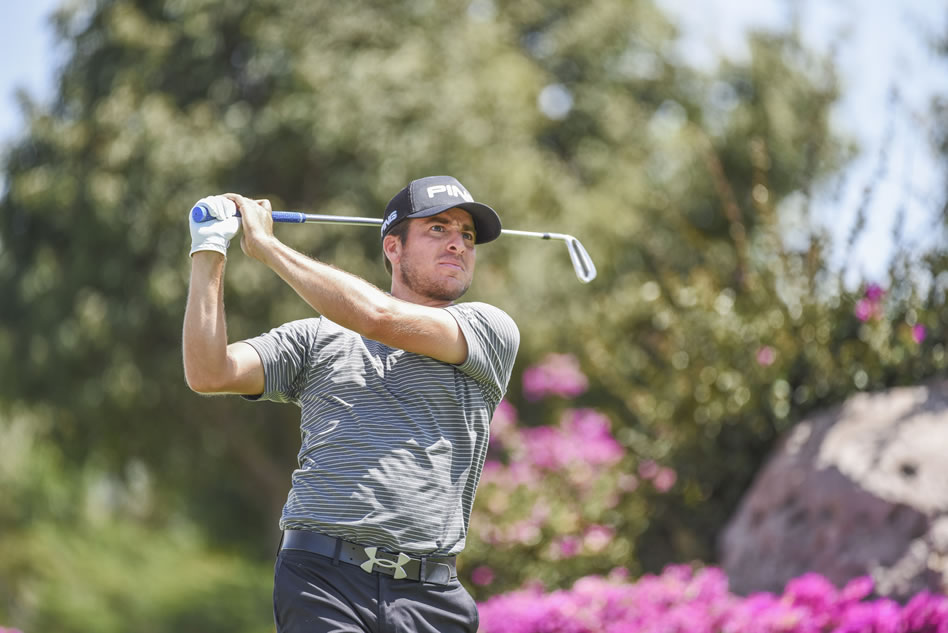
(27, 58)
(879, 44)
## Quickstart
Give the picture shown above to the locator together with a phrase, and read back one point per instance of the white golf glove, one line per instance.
(215, 234)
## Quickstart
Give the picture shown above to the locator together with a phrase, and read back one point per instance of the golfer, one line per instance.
(396, 391)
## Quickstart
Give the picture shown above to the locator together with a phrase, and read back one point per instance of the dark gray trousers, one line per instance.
(313, 595)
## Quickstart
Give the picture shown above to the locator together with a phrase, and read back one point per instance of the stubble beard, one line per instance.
(440, 291)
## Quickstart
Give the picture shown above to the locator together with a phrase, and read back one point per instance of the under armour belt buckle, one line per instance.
(370, 564)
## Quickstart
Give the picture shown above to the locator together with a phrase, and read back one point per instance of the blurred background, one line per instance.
(761, 185)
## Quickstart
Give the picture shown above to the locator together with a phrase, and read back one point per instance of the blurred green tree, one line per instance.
(715, 322)
(81, 551)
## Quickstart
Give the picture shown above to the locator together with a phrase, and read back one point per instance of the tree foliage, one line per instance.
(715, 321)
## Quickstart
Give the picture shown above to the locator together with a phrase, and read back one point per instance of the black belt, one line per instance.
(440, 570)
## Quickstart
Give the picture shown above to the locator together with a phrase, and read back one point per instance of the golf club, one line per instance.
(582, 262)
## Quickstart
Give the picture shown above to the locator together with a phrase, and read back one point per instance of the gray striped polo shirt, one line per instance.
(392, 442)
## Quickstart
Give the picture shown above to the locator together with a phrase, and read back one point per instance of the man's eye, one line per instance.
(437, 227)
(469, 236)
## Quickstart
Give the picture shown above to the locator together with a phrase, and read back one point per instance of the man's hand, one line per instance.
(215, 235)
(257, 221)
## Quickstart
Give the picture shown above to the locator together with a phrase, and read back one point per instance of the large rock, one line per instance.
(861, 489)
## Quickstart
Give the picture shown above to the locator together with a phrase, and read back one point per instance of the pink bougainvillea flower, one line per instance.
(926, 612)
(526, 532)
(870, 307)
(482, 575)
(503, 424)
(918, 333)
(591, 430)
(874, 292)
(567, 546)
(505, 415)
(811, 590)
(866, 309)
(598, 537)
(664, 479)
(766, 355)
(857, 589)
(648, 469)
(555, 375)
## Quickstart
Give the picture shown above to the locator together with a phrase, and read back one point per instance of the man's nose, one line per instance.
(456, 243)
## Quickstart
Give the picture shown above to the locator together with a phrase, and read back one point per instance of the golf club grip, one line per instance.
(200, 213)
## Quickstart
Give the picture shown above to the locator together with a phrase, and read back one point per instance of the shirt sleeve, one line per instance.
(492, 342)
(284, 352)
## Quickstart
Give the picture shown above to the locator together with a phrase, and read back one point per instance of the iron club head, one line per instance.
(582, 262)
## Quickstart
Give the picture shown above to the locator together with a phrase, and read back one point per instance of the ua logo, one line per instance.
(452, 190)
(388, 564)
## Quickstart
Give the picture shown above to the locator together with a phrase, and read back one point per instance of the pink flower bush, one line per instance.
(509, 476)
(683, 601)
(582, 437)
(555, 375)
(918, 333)
(548, 488)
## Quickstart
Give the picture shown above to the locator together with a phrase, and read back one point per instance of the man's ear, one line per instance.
(392, 247)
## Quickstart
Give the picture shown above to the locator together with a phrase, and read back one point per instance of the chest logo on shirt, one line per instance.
(382, 364)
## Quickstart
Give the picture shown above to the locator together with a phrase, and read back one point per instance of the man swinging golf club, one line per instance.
(396, 391)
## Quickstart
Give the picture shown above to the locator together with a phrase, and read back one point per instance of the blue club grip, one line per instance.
(294, 217)
(200, 213)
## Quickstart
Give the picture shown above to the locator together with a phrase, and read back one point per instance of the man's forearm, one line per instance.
(204, 340)
(339, 296)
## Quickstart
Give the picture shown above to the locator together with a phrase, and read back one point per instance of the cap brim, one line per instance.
(486, 221)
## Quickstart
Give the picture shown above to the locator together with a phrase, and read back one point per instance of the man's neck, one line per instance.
(403, 292)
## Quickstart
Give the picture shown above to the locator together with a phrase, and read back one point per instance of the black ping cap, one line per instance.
(430, 196)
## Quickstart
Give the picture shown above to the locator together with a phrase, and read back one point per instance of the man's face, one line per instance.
(437, 258)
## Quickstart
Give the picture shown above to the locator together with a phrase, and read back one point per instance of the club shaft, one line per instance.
(541, 236)
(314, 218)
